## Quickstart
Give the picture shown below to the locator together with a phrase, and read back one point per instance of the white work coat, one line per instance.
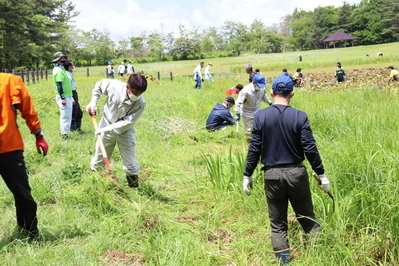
(119, 113)
(249, 100)
(197, 72)
(121, 69)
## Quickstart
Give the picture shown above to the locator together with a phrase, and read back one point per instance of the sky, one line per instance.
(129, 18)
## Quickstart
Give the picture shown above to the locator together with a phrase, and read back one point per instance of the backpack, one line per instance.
(340, 74)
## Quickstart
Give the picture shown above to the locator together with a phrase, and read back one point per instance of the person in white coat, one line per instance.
(121, 69)
(123, 106)
(130, 68)
(249, 100)
(197, 76)
(207, 72)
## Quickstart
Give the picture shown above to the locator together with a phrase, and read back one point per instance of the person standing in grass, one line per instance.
(64, 97)
(220, 117)
(250, 72)
(249, 100)
(282, 137)
(77, 114)
(15, 97)
(110, 70)
(394, 74)
(207, 72)
(197, 76)
(340, 73)
(123, 107)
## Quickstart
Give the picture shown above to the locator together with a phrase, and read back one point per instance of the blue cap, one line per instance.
(283, 83)
(109, 63)
(260, 80)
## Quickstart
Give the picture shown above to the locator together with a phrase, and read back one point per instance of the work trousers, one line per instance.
(127, 149)
(289, 184)
(248, 120)
(197, 83)
(13, 171)
(77, 114)
(65, 114)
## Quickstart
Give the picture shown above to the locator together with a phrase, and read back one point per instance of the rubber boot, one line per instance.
(283, 256)
(132, 180)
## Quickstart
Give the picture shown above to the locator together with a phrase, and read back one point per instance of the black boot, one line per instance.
(132, 180)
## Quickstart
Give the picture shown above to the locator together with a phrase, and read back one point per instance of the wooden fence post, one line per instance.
(22, 75)
(159, 76)
(37, 74)
(33, 75)
(46, 73)
(171, 76)
(88, 73)
(41, 73)
(27, 75)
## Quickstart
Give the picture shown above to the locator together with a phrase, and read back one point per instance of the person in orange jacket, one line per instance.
(14, 96)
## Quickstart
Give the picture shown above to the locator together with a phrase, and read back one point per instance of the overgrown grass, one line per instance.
(189, 209)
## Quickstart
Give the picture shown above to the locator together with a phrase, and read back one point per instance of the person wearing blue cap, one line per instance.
(110, 70)
(249, 100)
(282, 137)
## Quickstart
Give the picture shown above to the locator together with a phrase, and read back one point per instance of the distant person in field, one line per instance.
(198, 76)
(300, 58)
(220, 116)
(123, 107)
(15, 97)
(250, 72)
(110, 70)
(207, 72)
(64, 96)
(257, 71)
(380, 54)
(234, 90)
(281, 140)
(340, 73)
(249, 100)
(298, 77)
(130, 68)
(121, 69)
(77, 113)
(394, 74)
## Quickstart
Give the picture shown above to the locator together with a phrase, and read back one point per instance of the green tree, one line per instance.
(31, 30)
(236, 34)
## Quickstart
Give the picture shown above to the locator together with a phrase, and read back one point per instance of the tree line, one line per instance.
(32, 30)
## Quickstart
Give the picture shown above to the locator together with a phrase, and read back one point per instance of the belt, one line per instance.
(280, 166)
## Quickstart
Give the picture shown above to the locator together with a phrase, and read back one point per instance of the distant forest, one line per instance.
(31, 31)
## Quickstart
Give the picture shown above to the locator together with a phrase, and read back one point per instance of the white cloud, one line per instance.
(126, 18)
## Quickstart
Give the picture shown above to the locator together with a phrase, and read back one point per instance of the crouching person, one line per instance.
(220, 116)
(123, 106)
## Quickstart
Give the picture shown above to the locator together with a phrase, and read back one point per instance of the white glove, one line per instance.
(247, 184)
(101, 131)
(324, 183)
(91, 109)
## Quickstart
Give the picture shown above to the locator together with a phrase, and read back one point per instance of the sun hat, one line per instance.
(57, 56)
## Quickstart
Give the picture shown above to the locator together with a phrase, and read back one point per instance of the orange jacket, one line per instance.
(13, 96)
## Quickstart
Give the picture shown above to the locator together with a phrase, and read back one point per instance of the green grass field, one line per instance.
(190, 209)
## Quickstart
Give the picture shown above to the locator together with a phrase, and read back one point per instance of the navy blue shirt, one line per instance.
(282, 135)
(219, 117)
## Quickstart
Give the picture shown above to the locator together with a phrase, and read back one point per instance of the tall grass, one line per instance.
(190, 209)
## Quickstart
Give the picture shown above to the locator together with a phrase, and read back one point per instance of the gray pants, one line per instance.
(127, 148)
(283, 185)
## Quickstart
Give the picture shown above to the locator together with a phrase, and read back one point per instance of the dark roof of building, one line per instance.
(339, 36)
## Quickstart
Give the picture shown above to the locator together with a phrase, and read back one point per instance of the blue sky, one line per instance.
(127, 18)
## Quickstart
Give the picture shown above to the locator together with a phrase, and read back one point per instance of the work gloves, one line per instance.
(247, 184)
(324, 183)
(91, 109)
(237, 117)
(202, 80)
(41, 145)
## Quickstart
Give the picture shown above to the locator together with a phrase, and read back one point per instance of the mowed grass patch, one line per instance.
(190, 209)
